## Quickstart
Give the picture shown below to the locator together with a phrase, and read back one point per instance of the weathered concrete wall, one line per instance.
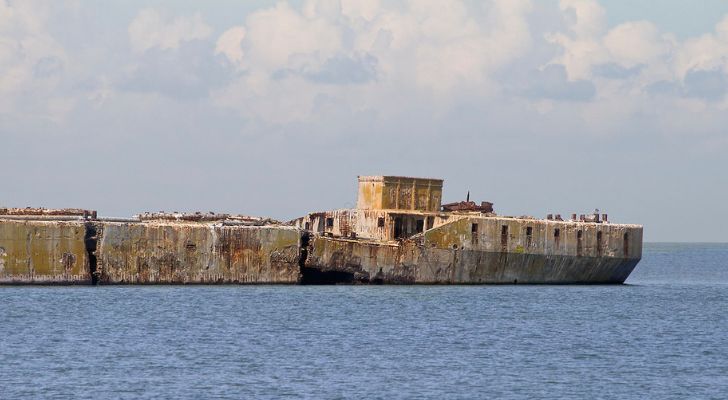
(43, 252)
(398, 192)
(573, 238)
(366, 223)
(173, 252)
(466, 250)
(408, 263)
(63, 252)
(459, 253)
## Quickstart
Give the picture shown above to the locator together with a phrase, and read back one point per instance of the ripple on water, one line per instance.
(663, 335)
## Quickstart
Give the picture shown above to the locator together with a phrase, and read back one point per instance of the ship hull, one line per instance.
(57, 252)
(334, 260)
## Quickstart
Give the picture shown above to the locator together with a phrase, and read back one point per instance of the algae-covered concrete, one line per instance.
(465, 250)
(93, 251)
(43, 252)
(174, 252)
(399, 233)
(488, 250)
(399, 193)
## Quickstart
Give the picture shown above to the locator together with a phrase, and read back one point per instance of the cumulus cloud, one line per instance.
(636, 43)
(230, 44)
(31, 60)
(176, 56)
(189, 72)
(416, 46)
(297, 62)
(150, 28)
(636, 58)
(410, 86)
(585, 18)
(580, 44)
(706, 52)
(276, 36)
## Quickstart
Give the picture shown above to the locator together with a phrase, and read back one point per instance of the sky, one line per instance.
(273, 108)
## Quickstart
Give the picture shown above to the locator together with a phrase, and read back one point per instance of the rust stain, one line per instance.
(399, 233)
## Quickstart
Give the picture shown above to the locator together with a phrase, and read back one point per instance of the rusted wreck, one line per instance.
(399, 233)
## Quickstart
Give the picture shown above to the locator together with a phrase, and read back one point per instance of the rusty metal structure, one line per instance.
(484, 207)
(399, 233)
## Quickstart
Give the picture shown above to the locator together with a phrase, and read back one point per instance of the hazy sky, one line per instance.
(274, 108)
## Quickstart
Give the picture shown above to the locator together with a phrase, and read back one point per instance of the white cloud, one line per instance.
(357, 9)
(423, 87)
(586, 18)
(426, 46)
(282, 37)
(32, 62)
(150, 29)
(707, 52)
(230, 44)
(721, 29)
(635, 43)
(581, 45)
(635, 57)
(288, 63)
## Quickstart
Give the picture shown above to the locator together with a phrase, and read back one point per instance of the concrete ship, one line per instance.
(399, 233)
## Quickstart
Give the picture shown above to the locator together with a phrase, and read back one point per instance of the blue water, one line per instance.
(662, 336)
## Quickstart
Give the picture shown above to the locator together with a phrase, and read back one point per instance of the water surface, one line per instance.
(663, 335)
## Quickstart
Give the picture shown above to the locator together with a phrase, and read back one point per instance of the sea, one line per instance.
(662, 335)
